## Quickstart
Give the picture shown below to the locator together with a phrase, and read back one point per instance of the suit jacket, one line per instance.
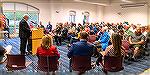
(81, 48)
(24, 29)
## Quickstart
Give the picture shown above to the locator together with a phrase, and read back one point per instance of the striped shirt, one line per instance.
(111, 52)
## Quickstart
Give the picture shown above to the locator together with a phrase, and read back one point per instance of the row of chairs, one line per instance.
(51, 64)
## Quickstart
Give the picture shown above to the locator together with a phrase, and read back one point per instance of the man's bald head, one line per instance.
(26, 17)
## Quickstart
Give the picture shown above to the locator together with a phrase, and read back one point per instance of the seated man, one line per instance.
(92, 37)
(137, 40)
(83, 48)
(148, 38)
(105, 38)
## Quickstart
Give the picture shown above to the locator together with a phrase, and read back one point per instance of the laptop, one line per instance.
(15, 61)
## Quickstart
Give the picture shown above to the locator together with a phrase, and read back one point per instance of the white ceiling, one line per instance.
(98, 2)
(108, 2)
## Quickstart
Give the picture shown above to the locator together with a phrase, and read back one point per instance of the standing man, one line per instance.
(24, 33)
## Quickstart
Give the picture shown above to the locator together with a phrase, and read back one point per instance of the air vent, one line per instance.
(132, 5)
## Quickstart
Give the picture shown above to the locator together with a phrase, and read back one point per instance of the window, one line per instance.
(33, 17)
(72, 15)
(15, 11)
(10, 16)
(8, 6)
(86, 17)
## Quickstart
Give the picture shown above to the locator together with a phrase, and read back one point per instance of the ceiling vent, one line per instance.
(132, 5)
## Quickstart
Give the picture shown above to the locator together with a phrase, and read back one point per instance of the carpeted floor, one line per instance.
(134, 68)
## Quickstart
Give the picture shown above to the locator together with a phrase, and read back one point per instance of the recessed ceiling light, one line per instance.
(91, 2)
(127, 1)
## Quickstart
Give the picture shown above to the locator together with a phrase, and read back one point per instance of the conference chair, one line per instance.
(81, 64)
(47, 63)
(126, 45)
(15, 62)
(112, 64)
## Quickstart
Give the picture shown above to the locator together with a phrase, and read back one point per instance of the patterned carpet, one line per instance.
(134, 68)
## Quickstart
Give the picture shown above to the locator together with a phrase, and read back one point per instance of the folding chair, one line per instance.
(48, 63)
(81, 63)
(112, 64)
(15, 62)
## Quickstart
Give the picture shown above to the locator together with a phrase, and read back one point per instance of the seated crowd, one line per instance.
(96, 40)
(136, 35)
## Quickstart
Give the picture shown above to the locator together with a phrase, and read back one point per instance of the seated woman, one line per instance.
(116, 48)
(46, 48)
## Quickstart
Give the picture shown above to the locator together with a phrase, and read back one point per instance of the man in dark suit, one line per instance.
(82, 48)
(24, 33)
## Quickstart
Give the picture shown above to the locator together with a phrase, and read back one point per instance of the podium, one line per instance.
(36, 39)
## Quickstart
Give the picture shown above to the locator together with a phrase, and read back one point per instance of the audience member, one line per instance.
(105, 38)
(137, 40)
(115, 49)
(127, 31)
(49, 27)
(42, 26)
(74, 39)
(132, 28)
(47, 48)
(82, 48)
(147, 41)
(58, 33)
(92, 37)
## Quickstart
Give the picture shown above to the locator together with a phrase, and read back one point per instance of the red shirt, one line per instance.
(52, 51)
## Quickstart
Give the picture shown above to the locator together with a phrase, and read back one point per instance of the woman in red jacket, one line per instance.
(46, 48)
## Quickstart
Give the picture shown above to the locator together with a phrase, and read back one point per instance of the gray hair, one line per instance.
(25, 15)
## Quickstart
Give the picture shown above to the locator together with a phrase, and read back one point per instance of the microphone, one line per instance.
(33, 22)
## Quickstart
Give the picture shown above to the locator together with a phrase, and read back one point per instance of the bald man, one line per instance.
(24, 33)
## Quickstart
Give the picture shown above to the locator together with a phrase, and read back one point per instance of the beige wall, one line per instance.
(64, 8)
(44, 15)
(48, 12)
(135, 15)
(100, 13)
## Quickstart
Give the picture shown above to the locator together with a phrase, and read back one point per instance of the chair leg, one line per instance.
(70, 67)
(81, 72)
(105, 71)
(53, 73)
